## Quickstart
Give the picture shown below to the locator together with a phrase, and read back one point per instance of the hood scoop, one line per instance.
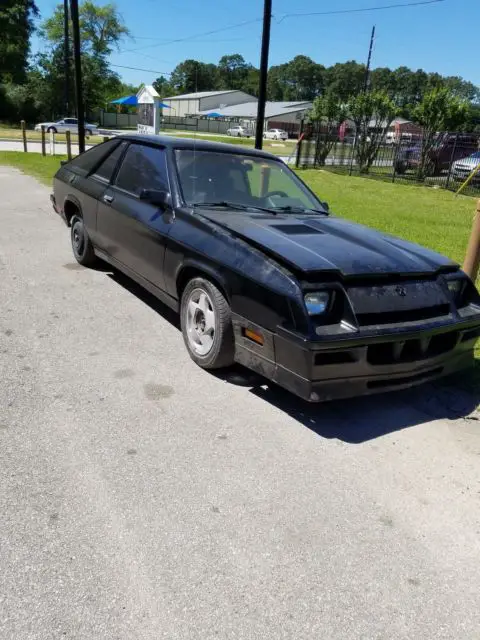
(296, 229)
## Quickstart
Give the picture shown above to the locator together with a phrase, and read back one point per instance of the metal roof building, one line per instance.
(194, 103)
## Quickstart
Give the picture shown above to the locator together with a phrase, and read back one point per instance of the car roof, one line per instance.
(196, 144)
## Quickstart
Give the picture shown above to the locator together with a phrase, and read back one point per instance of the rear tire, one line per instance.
(82, 246)
(206, 323)
(88, 132)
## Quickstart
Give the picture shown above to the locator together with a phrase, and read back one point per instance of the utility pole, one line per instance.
(78, 74)
(262, 92)
(367, 69)
(66, 54)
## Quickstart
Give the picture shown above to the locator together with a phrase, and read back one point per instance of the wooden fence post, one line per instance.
(44, 149)
(24, 135)
(69, 144)
(472, 257)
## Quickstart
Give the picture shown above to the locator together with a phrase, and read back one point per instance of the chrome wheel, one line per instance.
(200, 322)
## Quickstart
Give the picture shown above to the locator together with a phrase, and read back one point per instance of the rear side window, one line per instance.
(143, 168)
(86, 162)
(107, 168)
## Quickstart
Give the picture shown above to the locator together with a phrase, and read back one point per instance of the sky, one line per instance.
(436, 37)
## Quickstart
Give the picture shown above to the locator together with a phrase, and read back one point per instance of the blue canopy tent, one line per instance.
(126, 100)
(132, 101)
(214, 114)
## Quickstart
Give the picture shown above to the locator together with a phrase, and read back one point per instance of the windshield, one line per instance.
(208, 177)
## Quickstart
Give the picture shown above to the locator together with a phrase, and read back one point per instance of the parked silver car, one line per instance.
(67, 124)
(461, 169)
(276, 134)
(239, 132)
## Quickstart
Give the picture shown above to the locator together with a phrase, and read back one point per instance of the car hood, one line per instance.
(312, 243)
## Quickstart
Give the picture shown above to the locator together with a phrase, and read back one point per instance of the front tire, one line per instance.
(81, 244)
(51, 130)
(88, 132)
(206, 323)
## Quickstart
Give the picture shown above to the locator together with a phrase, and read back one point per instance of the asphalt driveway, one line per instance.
(142, 498)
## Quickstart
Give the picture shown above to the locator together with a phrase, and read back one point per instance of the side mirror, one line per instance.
(325, 206)
(161, 199)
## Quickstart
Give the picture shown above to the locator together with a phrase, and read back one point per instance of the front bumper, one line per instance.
(322, 371)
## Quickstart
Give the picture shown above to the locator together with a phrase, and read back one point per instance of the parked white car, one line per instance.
(276, 134)
(239, 132)
(67, 124)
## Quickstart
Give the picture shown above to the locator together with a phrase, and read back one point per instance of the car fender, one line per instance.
(254, 283)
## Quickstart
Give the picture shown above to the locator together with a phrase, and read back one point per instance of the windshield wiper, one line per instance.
(300, 210)
(233, 205)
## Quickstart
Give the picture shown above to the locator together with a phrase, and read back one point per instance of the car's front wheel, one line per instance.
(206, 324)
(88, 132)
(51, 130)
(81, 244)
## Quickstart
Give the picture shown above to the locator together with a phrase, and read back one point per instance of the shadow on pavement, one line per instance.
(360, 419)
(356, 420)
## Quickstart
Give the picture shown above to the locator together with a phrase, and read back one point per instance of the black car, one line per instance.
(259, 271)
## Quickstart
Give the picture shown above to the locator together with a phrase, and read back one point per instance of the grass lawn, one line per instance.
(36, 136)
(431, 217)
(33, 164)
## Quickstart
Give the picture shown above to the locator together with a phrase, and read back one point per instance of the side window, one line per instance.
(143, 168)
(87, 161)
(70, 121)
(107, 168)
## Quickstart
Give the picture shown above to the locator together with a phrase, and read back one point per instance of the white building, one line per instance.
(194, 103)
(275, 112)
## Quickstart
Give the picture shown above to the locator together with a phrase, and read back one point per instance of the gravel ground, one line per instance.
(142, 498)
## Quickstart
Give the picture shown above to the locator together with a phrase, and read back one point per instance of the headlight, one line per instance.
(455, 287)
(457, 291)
(317, 302)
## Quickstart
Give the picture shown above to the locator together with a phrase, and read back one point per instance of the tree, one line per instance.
(101, 28)
(345, 79)
(191, 75)
(439, 110)
(16, 27)
(372, 113)
(328, 113)
(232, 71)
(163, 87)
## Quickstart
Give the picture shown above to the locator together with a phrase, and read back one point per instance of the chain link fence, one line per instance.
(444, 161)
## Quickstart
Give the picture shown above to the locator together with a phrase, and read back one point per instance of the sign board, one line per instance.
(148, 110)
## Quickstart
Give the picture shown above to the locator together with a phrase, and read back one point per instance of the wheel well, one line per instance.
(188, 273)
(70, 209)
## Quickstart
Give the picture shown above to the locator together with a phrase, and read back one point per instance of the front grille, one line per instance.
(333, 357)
(384, 353)
(396, 382)
(397, 317)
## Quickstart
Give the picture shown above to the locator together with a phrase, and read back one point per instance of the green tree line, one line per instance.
(304, 79)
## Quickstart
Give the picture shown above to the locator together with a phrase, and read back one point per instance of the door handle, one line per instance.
(108, 199)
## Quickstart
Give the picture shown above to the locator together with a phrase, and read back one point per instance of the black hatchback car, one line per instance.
(259, 271)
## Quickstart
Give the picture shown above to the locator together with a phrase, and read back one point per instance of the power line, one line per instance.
(197, 35)
(378, 8)
(162, 73)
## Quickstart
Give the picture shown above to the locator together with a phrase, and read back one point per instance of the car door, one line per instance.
(71, 124)
(134, 230)
(78, 187)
